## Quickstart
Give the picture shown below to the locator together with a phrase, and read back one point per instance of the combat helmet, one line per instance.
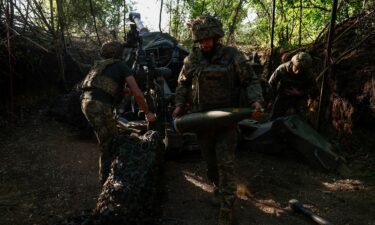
(111, 49)
(302, 60)
(206, 26)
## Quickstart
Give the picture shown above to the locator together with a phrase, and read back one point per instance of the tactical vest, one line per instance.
(214, 85)
(95, 79)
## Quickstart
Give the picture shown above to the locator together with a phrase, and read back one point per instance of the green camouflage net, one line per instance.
(129, 196)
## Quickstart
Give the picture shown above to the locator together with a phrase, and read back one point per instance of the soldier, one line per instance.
(212, 77)
(103, 87)
(293, 83)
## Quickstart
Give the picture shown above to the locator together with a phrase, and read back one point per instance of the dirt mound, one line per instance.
(352, 86)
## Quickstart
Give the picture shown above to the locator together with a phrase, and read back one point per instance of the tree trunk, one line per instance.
(327, 76)
(272, 35)
(300, 24)
(60, 44)
(177, 20)
(94, 19)
(51, 15)
(170, 17)
(9, 21)
(27, 16)
(233, 25)
(161, 10)
(124, 17)
(11, 13)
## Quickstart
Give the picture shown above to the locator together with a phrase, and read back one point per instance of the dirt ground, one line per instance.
(48, 173)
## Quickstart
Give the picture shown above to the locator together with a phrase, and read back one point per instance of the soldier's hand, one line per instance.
(178, 111)
(150, 117)
(258, 113)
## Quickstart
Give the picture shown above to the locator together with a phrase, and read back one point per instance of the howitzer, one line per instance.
(150, 77)
(213, 119)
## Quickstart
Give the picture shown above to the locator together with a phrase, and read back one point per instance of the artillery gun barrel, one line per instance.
(211, 119)
(136, 18)
(139, 24)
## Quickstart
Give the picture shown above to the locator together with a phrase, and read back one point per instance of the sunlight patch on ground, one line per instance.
(198, 181)
(243, 192)
(269, 206)
(345, 185)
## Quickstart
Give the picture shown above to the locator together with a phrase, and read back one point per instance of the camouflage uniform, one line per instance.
(283, 80)
(102, 88)
(211, 83)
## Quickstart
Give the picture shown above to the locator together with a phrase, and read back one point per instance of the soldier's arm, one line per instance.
(139, 98)
(275, 79)
(184, 86)
(248, 79)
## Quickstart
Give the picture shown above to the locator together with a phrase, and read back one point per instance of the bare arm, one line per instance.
(139, 98)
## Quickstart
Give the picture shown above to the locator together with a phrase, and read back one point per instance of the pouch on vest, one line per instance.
(214, 86)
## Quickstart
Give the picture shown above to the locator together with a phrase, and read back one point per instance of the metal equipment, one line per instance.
(298, 208)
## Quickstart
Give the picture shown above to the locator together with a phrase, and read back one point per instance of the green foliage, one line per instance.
(315, 16)
(109, 15)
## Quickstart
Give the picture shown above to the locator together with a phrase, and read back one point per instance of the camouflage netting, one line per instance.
(130, 194)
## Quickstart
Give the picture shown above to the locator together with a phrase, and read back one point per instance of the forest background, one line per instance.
(36, 36)
(297, 22)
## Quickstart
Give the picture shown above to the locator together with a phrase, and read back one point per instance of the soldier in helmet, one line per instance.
(212, 77)
(293, 83)
(103, 87)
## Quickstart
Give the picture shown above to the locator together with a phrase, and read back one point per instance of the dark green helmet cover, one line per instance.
(302, 60)
(206, 26)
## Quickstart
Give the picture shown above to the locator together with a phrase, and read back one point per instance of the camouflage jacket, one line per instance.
(217, 82)
(283, 79)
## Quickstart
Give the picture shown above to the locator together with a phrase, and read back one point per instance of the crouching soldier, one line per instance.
(293, 83)
(102, 88)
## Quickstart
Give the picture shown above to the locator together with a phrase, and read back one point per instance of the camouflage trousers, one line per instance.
(287, 105)
(101, 118)
(218, 151)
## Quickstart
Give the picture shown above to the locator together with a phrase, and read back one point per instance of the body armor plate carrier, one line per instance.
(95, 79)
(214, 86)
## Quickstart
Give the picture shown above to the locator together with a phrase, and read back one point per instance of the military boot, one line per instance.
(225, 217)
